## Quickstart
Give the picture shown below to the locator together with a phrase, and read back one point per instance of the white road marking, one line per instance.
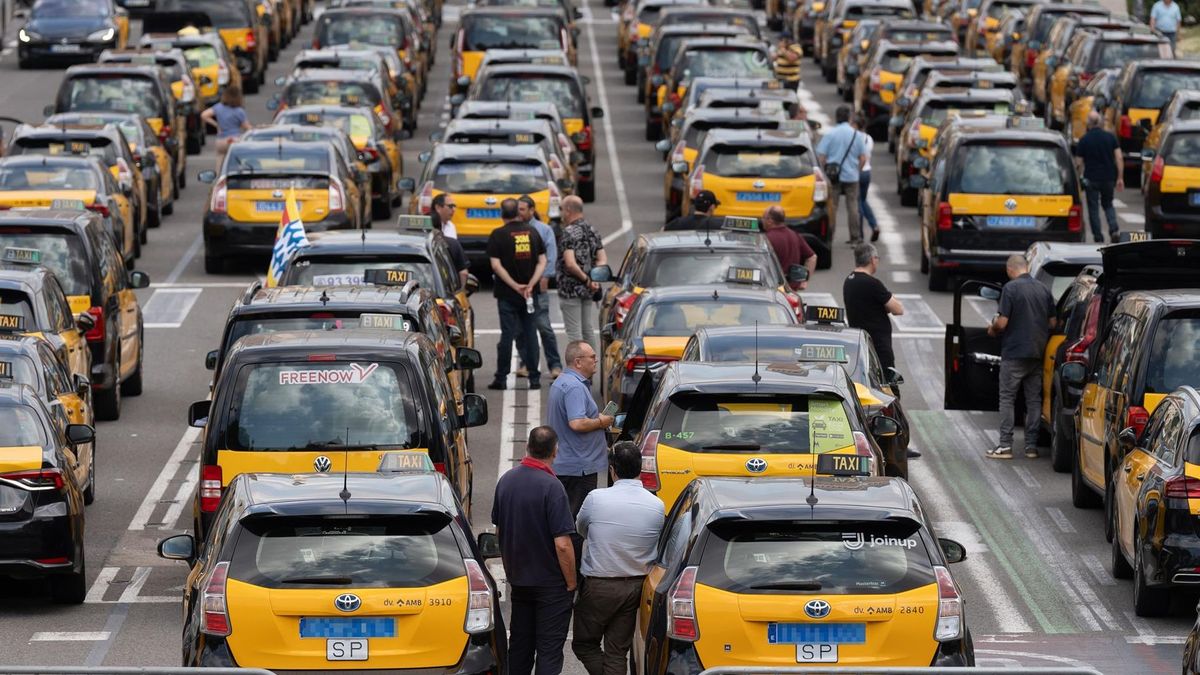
(1026, 477)
(103, 580)
(180, 266)
(918, 315)
(1119, 204)
(69, 636)
(610, 140)
(924, 358)
(146, 508)
(901, 276)
(130, 594)
(1135, 218)
(508, 436)
(819, 298)
(1098, 569)
(1060, 519)
(1146, 635)
(169, 307)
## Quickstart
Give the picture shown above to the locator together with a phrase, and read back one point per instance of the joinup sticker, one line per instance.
(355, 374)
(854, 541)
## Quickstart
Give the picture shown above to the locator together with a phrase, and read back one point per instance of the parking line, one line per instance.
(169, 307)
(146, 508)
(610, 140)
(69, 636)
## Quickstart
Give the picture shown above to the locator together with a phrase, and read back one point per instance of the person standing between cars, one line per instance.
(534, 525)
(581, 249)
(1023, 322)
(517, 256)
(229, 118)
(842, 153)
(541, 316)
(573, 414)
(1098, 156)
(620, 525)
(1165, 18)
(445, 209)
(788, 56)
(458, 256)
(701, 217)
(864, 179)
(790, 248)
(869, 304)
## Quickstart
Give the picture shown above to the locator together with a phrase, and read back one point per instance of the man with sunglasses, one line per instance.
(445, 208)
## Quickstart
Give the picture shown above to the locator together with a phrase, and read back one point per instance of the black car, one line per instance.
(71, 30)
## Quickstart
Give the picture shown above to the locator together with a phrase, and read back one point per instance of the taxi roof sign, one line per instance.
(829, 464)
(6, 369)
(386, 277)
(825, 314)
(740, 224)
(744, 275)
(814, 352)
(1126, 237)
(407, 222)
(405, 462)
(24, 256)
(68, 204)
(384, 321)
(12, 322)
(1024, 122)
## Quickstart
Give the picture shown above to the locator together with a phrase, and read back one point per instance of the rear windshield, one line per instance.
(292, 157)
(1117, 54)
(1045, 22)
(352, 405)
(202, 56)
(62, 252)
(331, 92)
(536, 88)
(48, 178)
(19, 369)
(344, 270)
(1016, 169)
(733, 161)
(119, 94)
(772, 423)
(783, 348)
(997, 9)
(368, 552)
(1182, 149)
(385, 30)
(748, 63)
(746, 23)
(20, 426)
(1193, 447)
(896, 62)
(681, 319)
(96, 147)
(936, 111)
(693, 137)
(855, 558)
(859, 12)
(16, 303)
(667, 48)
(253, 325)
(684, 269)
(356, 125)
(490, 177)
(511, 31)
(1174, 359)
(223, 13)
(1154, 87)
(922, 35)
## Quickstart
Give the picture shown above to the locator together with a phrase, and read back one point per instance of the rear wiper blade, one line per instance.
(332, 581)
(732, 446)
(790, 586)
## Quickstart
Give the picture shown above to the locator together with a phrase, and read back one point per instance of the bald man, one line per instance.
(1098, 156)
(790, 248)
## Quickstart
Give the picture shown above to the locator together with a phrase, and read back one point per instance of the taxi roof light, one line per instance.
(950, 607)
(479, 601)
(215, 617)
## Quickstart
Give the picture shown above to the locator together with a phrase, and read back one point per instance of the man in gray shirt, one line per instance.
(620, 526)
(1023, 323)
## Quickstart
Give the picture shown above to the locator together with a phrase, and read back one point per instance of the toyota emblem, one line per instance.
(490, 201)
(816, 609)
(349, 602)
(756, 465)
(322, 464)
(278, 194)
(758, 185)
(1010, 204)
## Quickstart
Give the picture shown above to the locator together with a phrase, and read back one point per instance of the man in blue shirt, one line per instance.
(844, 148)
(527, 212)
(1165, 18)
(573, 414)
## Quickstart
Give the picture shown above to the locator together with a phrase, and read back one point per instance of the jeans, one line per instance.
(541, 616)
(1100, 196)
(579, 319)
(1171, 39)
(578, 487)
(541, 318)
(516, 324)
(1016, 374)
(850, 192)
(606, 610)
(864, 208)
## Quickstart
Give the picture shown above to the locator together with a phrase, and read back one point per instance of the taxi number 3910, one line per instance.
(817, 652)
(346, 649)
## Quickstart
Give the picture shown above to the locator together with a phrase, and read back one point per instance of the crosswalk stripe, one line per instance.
(817, 298)
(918, 315)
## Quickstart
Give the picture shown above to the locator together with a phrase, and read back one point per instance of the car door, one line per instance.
(1117, 395)
(972, 356)
(63, 322)
(649, 637)
(1131, 476)
(1092, 402)
(1166, 463)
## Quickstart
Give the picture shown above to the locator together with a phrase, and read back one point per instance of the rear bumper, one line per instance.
(681, 657)
(49, 532)
(1174, 224)
(1177, 557)
(223, 235)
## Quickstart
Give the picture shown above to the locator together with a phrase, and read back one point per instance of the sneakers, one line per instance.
(555, 372)
(1031, 453)
(1000, 452)
(497, 385)
(522, 371)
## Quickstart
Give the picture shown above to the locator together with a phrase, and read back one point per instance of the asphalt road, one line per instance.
(1037, 584)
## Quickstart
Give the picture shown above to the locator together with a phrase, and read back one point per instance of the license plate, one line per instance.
(340, 628)
(816, 633)
(1012, 222)
(1194, 199)
(272, 207)
(759, 196)
(66, 49)
(353, 649)
(483, 213)
(817, 652)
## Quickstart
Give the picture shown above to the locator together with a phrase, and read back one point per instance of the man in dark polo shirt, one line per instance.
(518, 257)
(534, 523)
(1023, 323)
(789, 247)
(1098, 155)
(701, 217)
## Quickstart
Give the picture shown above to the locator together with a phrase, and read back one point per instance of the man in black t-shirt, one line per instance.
(1098, 156)
(518, 257)
(869, 303)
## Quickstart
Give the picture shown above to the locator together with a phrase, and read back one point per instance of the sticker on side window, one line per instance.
(828, 428)
(355, 374)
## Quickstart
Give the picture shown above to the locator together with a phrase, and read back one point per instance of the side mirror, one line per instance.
(179, 547)
(406, 184)
(1099, 102)
(84, 322)
(917, 182)
(601, 274)
(210, 360)
(1127, 439)
(402, 134)
(126, 185)
(679, 167)
(468, 359)
(435, 137)
(896, 121)
(457, 99)
(472, 283)
(198, 413)
(597, 112)
(882, 426)
(663, 145)
(1074, 374)
(656, 80)
(463, 81)
(139, 279)
(894, 376)
(606, 332)
(279, 81)
(475, 410)
(989, 293)
(424, 156)
(797, 274)
(668, 108)
(489, 545)
(272, 104)
(82, 386)
(48, 110)
(78, 434)
(206, 176)
(954, 551)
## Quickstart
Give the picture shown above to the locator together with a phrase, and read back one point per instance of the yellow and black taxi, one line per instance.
(43, 476)
(849, 56)
(77, 248)
(238, 24)
(378, 571)
(844, 16)
(488, 28)
(765, 98)
(984, 31)
(359, 27)
(853, 53)
(1058, 42)
(106, 142)
(1183, 105)
(1137, 96)
(1038, 23)
(819, 340)
(376, 390)
(1171, 191)
(249, 195)
(497, 57)
(748, 85)
(751, 169)
(71, 30)
(560, 85)
(339, 87)
(741, 56)
(663, 318)
(914, 76)
(400, 90)
(1094, 95)
(183, 86)
(656, 57)
(322, 134)
(513, 110)
(128, 88)
(818, 571)
(1092, 51)
(479, 177)
(883, 71)
(213, 65)
(1009, 30)
(993, 192)
(72, 183)
(687, 257)
(1154, 539)
(32, 301)
(804, 23)
(517, 132)
(636, 23)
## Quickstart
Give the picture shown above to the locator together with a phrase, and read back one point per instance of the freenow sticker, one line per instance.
(854, 541)
(355, 374)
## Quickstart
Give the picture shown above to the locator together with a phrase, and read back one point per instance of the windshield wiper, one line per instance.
(332, 581)
(732, 446)
(789, 586)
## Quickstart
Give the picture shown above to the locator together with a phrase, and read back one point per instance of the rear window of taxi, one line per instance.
(748, 161)
(724, 62)
(1174, 358)
(1114, 54)
(1011, 168)
(1152, 88)
(322, 405)
(681, 319)
(56, 147)
(223, 13)
(781, 348)
(18, 369)
(331, 92)
(490, 177)
(62, 252)
(355, 124)
(935, 111)
(910, 35)
(895, 61)
(997, 9)
(343, 270)
(777, 424)
(1182, 149)
(257, 325)
(562, 91)
(852, 558)
(372, 552)
(202, 56)
(48, 178)
(510, 31)
(20, 426)
(693, 135)
(382, 29)
(112, 92)
(294, 157)
(674, 268)
(860, 12)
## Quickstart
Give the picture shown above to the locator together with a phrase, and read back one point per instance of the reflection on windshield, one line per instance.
(367, 29)
(1175, 356)
(681, 319)
(118, 94)
(1155, 87)
(1012, 170)
(535, 89)
(490, 177)
(20, 427)
(48, 177)
(769, 424)
(704, 268)
(333, 92)
(62, 253)
(760, 162)
(511, 32)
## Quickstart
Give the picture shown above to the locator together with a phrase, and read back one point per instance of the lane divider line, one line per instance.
(610, 140)
(159, 486)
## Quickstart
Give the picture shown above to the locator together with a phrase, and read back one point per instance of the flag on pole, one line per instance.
(288, 238)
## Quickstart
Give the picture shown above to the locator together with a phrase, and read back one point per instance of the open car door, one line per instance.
(972, 356)
(639, 403)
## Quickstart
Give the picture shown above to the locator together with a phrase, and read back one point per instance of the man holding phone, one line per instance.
(573, 414)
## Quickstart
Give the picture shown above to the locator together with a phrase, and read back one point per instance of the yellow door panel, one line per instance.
(663, 346)
(262, 206)
(476, 217)
(470, 63)
(642, 628)
(1091, 433)
(1136, 115)
(1048, 372)
(237, 462)
(1150, 401)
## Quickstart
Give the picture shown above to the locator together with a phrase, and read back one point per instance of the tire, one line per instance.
(193, 144)
(134, 384)
(908, 197)
(139, 238)
(1060, 457)
(70, 589)
(381, 208)
(1118, 565)
(1082, 496)
(830, 74)
(641, 86)
(653, 130)
(168, 208)
(1147, 601)
(108, 403)
(939, 279)
(213, 264)
(631, 75)
(23, 64)
(182, 180)
(924, 263)
(251, 84)
(154, 215)
(587, 191)
(89, 492)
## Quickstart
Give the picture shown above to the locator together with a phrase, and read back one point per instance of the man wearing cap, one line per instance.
(702, 214)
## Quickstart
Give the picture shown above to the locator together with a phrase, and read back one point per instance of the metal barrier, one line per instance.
(767, 670)
(126, 670)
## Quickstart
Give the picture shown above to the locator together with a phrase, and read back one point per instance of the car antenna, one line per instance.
(755, 378)
(324, 299)
(345, 493)
(708, 232)
(811, 499)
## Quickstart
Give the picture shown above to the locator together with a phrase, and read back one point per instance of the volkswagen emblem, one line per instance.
(278, 194)
(756, 465)
(758, 185)
(349, 602)
(490, 201)
(1010, 204)
(816, 609)
(322, 464)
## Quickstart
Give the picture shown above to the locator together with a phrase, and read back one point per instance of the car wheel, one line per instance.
(154, 214)
(133, 385)
(1060, 456)
(139, 237)
(587, 191)
(70, 589)
(193, 144)
(107, 402)
(381, 208)
(924, 263)
(653, 130)
(1082, 496)
(1147, 601)
(908, 197)
(939, 279)
(1118, 566)
(89, 492)
(1110, 505)
(251, 84)
(213, 264)
(631, 75)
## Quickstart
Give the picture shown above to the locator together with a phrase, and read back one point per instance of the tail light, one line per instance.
(1075, 218)
(37, 479)
(1156, 172)
(1182, 487)
(945, 216)
(217, 202)
(222, 73)
(1126, 128)
(1077, 352)
(649, 474)
(210, 487)
(1030, 57)
(368, 154)
(697, 180)
(189, 91)
(96, 333)
(1085, 77)
(425, 200)
(862, 448)
(624, 302)
(585, 139)
(102, 209)
(797, 305)
(554, 210)
(820, 186)
(875, 84)
(252, 40)
(164, 132)
(440, 467)
(215, 617)
(384, 118)
(950, 607)
(447, 314)
(635, 362)
(316, 43)
(337, 195)
(914, 133)
(1136, 417)
(677, 154)
(479, 600)
(124, 173)
(681, 607)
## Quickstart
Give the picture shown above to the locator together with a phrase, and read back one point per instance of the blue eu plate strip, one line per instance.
(759, 196)
(483, 213)
(1018, 222)
(804, 633)
(346, 627)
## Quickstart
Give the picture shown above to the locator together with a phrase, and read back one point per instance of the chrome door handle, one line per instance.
(1128, 468)
(1141, 476)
